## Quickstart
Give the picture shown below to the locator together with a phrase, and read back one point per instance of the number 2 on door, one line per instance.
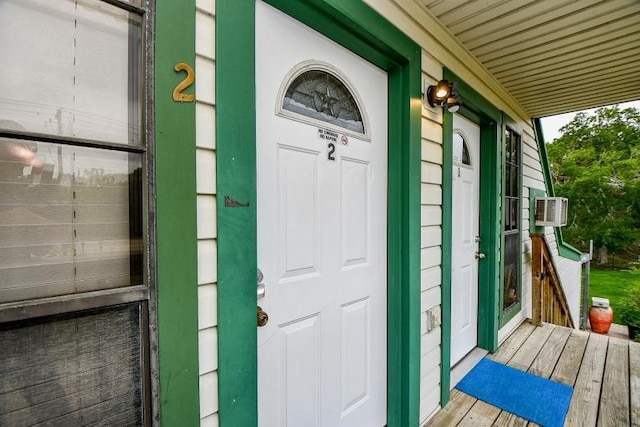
(331, 149)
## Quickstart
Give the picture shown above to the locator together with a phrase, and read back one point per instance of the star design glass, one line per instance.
(320, 95)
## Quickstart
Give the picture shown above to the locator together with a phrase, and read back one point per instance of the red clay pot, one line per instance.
(600, 319)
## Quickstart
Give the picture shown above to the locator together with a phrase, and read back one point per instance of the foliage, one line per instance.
(629, 307)
(596, 165)
(612, 284)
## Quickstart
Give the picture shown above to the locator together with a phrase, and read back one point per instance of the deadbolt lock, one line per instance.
(263, 317)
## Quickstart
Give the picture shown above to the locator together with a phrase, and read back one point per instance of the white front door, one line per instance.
(465, 237)
(322, 225)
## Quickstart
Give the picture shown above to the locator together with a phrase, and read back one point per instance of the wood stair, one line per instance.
(549, 302)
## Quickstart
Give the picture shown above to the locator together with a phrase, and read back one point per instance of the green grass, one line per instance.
(611, 284)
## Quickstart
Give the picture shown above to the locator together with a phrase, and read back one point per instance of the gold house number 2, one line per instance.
(178, 96)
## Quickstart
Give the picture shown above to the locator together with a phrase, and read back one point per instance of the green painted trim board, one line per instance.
(175, 179)
(447, 233)
(491, 234)
(236, 178)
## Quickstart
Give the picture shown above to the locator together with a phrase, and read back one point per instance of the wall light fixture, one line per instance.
(444, 94)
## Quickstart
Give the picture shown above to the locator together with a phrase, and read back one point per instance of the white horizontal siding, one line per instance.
(432, 173)
(570, 273)
(206, 211)
(429, 397)
(431, 298)
(431, 194)
(532, 174)
(208, 345)
(207, 216)
(207, 308)
(530, 149)
(210, 421)
(429, 375)
(206, 125)
(430, 215)
(205, 68)
(205, 171)
(431, 152)
(431, 244)
(431, 277)
(207, 265)
(208, 394)
(430, 236)
(530, 155)
(430, 257)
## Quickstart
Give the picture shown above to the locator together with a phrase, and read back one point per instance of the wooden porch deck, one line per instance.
(604, 372)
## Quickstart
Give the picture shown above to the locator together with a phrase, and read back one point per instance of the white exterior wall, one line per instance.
(439, 50)
(206, 211)
(431, 246)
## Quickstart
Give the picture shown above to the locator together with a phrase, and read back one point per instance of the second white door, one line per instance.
(465, 237)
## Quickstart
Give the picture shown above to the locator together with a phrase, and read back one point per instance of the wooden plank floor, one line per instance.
(604, 372)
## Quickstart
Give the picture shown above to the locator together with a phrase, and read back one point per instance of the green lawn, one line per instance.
(611, 284)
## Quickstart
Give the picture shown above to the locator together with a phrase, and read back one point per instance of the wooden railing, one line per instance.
(548, 299)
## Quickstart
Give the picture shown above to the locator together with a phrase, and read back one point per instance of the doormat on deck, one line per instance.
(534, 398)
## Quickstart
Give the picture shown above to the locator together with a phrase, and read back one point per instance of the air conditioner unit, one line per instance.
(551, 211)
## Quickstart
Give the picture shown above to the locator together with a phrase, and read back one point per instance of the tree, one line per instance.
(596, 165)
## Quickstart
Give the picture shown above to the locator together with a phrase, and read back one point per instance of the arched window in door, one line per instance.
(460, 150)
(317, 93)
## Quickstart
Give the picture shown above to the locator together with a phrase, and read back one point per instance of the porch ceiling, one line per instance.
(553, 56)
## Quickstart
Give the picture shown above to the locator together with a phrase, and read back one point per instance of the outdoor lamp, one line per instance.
(444, 94)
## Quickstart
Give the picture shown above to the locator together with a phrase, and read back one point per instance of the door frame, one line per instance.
(359, 28)
(480, 111)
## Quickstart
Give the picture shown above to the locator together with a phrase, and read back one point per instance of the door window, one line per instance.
(512, 252)
(460, 150)
(318, 93)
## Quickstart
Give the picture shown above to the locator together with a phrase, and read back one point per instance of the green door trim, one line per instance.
(489, 118)
(362, 30)
(175, 198)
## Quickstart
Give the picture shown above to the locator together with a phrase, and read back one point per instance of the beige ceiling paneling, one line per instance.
(441, 7)
(564, 57)
(567, 70)
(553, 56)
(555, 83)
(473, 32)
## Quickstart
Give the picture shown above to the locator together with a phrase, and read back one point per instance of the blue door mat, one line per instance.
(529, 396)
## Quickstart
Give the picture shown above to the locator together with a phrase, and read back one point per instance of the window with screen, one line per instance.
(73, 161)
